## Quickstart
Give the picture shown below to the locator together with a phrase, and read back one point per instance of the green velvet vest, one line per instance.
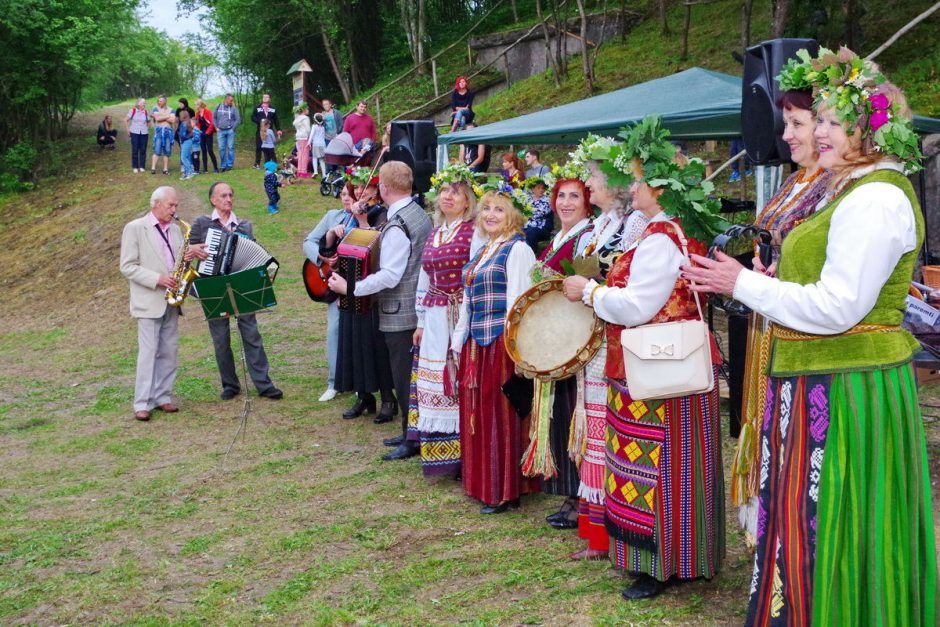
(801, 261)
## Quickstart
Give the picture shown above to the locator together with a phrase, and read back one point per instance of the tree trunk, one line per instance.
(780, 18)
(664, 30)
(549, 58)
(586, 68)
(684, 48)
(515, 12)
(853, 23)
(561, 40)
(422, 30)
(747, 8)
(340, 79)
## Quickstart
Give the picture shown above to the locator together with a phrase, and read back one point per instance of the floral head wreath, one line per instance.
(860, 96)
(592, 148)
(572, 170)
(532, 181)
(449, 175)
(361, 176)
(647, 155)
(518, 198)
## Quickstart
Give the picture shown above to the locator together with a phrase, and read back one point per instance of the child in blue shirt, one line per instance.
(271, 183)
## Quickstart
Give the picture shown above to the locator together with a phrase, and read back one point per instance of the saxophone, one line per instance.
(184, 273)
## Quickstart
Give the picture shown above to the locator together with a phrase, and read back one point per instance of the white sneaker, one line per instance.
(329, 395)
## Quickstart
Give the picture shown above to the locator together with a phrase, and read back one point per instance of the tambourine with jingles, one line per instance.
(549, 337)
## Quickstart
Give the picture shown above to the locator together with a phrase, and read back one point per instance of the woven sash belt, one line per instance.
(783, 333)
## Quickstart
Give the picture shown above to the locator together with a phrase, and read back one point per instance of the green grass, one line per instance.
(106, 520)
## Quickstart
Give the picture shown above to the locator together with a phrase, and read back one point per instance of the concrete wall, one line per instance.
(931, 200)
(529, 56)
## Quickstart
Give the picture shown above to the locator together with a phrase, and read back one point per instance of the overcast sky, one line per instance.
(161, 14)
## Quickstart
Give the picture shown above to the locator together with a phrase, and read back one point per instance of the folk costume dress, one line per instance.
(612, 235)
(797, 199)
(845, 531)
(492, 435)
(435, 420)
(664, 491)
(362, 362)
(564, 393)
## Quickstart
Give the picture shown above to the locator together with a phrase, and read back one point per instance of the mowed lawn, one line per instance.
(105, 520)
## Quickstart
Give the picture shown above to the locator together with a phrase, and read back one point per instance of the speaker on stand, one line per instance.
(414, 142)
(761, 118)
(762, 131)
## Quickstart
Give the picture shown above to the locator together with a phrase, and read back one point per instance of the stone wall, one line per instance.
(529, 56)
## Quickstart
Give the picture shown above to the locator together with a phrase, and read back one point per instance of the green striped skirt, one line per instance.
(845, 527)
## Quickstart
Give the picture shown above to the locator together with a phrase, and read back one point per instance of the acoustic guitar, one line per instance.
(315, 280)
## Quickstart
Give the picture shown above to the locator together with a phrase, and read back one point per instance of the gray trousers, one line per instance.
(332, 341)
(157, 341)
(255, 356)
(399, 345)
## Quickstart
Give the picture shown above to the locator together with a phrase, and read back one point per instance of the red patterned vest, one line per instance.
(681, 303)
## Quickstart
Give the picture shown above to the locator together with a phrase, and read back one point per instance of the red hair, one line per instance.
(457, 82)
(585, 193)
(797, 99)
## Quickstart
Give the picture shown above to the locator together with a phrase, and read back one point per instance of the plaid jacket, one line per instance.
(486, 293)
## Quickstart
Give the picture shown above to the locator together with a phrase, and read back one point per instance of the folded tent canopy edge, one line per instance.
(695, 104)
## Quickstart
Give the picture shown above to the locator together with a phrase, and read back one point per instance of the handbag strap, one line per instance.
(684, 243)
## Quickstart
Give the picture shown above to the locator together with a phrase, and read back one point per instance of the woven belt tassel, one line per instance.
(537, 459)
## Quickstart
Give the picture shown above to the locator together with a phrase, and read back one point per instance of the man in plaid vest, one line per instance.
(395, 285)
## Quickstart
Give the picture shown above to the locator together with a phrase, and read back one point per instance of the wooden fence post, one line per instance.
(378, 110)
(437, 91)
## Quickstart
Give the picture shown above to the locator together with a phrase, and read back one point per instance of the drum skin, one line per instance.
(549, 337)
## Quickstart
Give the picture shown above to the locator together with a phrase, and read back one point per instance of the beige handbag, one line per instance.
(669, 359)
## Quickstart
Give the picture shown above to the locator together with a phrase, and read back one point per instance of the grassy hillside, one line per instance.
(646, 54)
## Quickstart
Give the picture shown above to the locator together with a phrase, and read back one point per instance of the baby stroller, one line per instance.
(340, 154)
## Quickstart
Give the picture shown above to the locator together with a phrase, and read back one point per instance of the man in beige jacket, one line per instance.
(150, 249)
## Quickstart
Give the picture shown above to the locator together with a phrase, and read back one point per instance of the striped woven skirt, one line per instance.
(492, 436)
(593, 469)
(845, 528)
(664, 495)
(433, 416)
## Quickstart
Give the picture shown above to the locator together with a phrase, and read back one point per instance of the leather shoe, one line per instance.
(645, 587)
(404, 451)
(363, 405)
(563, 523)
(273, 393)
(228, 394)
(169, 408)
(396, 441)
(143, 415)
(499, 509)
(387, 413)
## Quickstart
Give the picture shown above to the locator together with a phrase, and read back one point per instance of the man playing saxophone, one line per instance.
(151, 247)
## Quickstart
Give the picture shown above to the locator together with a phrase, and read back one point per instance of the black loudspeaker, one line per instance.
(414, 142)
(761, 118)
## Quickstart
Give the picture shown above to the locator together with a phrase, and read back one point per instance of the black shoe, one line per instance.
(404, 451)
(645, 587)
(396, 441)
(228, 394)
(216, 170)
(499, 509)
(387, 413)
(363, 405)
(273, 393)
(256, 166)
(563, 523)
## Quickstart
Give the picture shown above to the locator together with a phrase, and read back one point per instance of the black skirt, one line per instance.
(567, 481)
(362, 364)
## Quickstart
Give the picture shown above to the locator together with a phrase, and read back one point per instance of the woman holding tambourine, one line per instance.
(664, 496)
